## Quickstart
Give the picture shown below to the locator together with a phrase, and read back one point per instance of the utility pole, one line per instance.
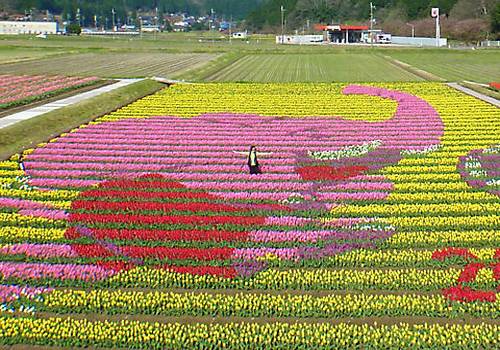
(211, 19)
(231, 29)
(412, 29)
(282, 24)
(156, 22)
(435, 14)
(140, 26)
(371, 22)
(113, 19)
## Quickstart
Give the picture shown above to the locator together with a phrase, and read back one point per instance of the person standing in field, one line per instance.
(253, 162)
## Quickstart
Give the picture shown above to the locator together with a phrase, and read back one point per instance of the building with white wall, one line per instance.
(25, 27)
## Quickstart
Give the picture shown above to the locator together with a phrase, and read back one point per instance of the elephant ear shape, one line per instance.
(481, 169)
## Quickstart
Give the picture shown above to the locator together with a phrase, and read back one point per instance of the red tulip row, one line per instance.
(442, 254)
(124, 194)
(205, 254)
(165, 219)
(324, 173)
(162, 235)
(221, 271)
(145, 184)
(150, 206)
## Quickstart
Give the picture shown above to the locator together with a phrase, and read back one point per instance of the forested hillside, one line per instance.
(461, 17)
(237, 8)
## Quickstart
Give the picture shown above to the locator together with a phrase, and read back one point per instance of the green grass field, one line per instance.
(10, 54)
(312, 67)
(111, 65)
(480, 65)
(258, 59)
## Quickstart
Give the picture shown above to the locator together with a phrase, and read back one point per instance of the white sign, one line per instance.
(435, 12)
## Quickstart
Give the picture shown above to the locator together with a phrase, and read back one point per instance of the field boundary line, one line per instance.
(413, 70)
(475, 94)
(230, 64)
(222, 319)
(65, 102)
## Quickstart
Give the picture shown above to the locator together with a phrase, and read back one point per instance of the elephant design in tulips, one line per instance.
(178, 179)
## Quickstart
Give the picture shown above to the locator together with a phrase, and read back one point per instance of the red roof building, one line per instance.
(342, 34)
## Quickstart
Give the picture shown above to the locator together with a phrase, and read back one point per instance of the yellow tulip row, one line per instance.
(13, 219)
(443, 222)
(443, 187)
(17, 234)
(10, 164)
(395, 257)
(401, 169)
(251, 304)
(269, 99)
(445, 197)
(403, 209)
(52, 196)
(464, 238)
(145, 335)
(303, 279)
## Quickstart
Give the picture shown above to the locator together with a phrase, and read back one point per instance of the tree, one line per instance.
(73, 28)
(495, 19)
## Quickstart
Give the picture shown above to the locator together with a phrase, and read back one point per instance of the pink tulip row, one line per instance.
(314, 236)
(172, 160)
(286, 134)
(45, 213)
(155, 150)
(9, 80)
(46, 87)
(297, 253)
(39, 250)
(150, 168)
(20, 203)
(67, 251)
(55, 271)
(12, 89)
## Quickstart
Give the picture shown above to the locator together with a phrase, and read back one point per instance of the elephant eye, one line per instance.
(330, 173)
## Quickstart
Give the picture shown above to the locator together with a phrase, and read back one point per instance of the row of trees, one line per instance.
(84, 11)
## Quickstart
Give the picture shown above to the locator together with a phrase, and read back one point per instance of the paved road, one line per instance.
(49, 107)
(467, 91)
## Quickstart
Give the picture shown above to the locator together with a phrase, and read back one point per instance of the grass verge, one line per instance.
(482, 90)
(30, 132)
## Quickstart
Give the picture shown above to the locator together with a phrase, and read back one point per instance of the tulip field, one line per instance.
(375, 222)
(22, 89)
